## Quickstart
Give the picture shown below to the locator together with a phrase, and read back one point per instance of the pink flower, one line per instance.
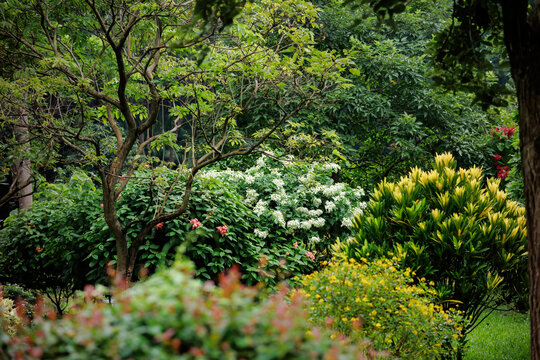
(159, 225)
(295, 244)
(310, 255)
(195, 223)
(222, 230)
(102, 206)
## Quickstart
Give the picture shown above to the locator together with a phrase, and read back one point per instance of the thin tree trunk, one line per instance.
(22, 166)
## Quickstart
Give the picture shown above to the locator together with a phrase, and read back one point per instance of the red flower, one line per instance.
(503, 172)
(508, 131)
(222, 230)
(195, 223)
(496, 157)
(159, 225)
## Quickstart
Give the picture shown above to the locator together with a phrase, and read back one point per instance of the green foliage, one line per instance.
(378, 301)
(390, 117)
(46, 249)
(468, 239)
(172, 316)
(279, 217)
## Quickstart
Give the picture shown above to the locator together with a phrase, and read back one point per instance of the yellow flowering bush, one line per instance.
(378, 301)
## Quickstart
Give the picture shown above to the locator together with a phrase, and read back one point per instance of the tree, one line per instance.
(115, 67)
(463, 58)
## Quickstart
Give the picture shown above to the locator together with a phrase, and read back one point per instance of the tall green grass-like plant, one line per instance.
(450, 228)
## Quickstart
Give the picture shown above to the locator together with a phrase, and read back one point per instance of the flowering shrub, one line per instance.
(64, 242)
(173, 316)
(445, 225)
(501, 144)
(295, 200)
(252, 218)
(380, 302)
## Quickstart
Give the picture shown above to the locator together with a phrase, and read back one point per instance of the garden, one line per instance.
(285, 179)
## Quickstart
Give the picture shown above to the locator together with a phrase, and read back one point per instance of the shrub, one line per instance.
(296, 200)
(378, 301)
(47, 248)
(9, 321)
(447, 227)
(172, 316)
(273, 231)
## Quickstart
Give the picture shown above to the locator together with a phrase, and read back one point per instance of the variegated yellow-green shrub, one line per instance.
(9, 321)
(378, 301)
(450, 226)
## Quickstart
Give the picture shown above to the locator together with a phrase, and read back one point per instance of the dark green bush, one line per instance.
(172, 316)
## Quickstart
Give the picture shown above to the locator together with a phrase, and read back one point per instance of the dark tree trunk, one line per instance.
(522, 39)
(529, 113)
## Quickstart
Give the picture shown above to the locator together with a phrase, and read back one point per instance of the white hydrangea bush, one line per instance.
(297, 200)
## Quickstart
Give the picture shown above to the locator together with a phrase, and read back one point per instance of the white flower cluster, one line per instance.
(314, 213)
(347, 222)
(261, 233)
(278, 218)
(279, 183)
(315, 239)
(260, 207)
(332, 166)
(293, 224)
(333, 190)
(303, 199)
(329, 206)
(251, 196)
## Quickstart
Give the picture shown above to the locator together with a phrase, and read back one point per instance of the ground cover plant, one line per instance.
(171, 315)
(378, 301)
(449, 228)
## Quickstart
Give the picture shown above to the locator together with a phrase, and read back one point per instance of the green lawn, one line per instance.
(502, 336)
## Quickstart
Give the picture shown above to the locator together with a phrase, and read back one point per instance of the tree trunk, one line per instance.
(522, 39)
(529, 124)
(22, 166)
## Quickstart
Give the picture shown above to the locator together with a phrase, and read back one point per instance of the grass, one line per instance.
(502, 336)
